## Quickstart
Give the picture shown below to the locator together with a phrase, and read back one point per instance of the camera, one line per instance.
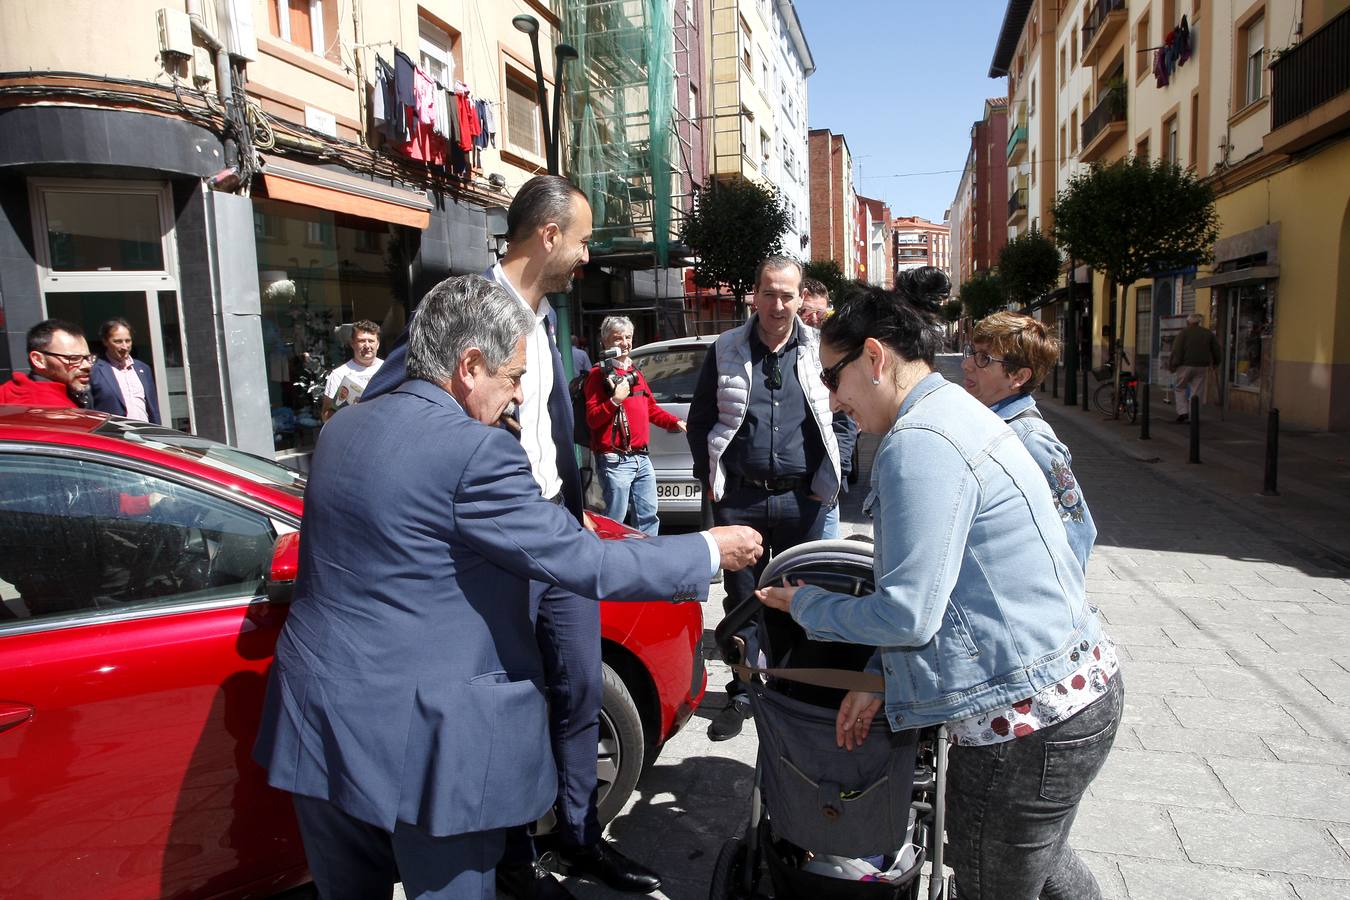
(612, 377)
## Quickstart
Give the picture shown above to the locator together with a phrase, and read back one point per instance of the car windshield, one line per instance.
(672, 373)
(211, 453)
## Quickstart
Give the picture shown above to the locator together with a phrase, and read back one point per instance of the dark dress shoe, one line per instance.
(602, 862)
(729, 722)
(530, 881)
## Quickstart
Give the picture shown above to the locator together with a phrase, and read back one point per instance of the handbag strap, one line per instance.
(838, 679)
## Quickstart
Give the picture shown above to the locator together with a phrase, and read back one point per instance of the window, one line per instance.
(1033, 166)
(1062, 67)
(437, 52)
(81, 538)
(320, 234)
(747, 57)
(1031, 99)
(1195, 131)
(1073, 43)
(1143, 62)
(1063, 147)
(1073, 132)
(103, 231)
(265, 227)
(523, 130)
(1169, 15)
(1253, 42)
(1141, 149)
(309, 24)
(693, 103)
(765, 146)
(1171, 141)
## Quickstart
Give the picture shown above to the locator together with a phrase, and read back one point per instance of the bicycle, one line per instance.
(1126, 401)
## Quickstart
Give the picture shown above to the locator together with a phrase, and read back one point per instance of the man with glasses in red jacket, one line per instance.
(59, 363)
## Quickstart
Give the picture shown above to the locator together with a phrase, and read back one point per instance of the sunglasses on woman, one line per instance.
(830, 377)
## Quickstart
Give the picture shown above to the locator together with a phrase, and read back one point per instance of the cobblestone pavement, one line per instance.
(1231, 775)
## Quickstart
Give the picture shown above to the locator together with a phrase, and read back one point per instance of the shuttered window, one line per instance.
(522, 116)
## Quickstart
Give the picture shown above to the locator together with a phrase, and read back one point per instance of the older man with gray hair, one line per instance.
(1194, 352)
(620, 410)
(406, 710)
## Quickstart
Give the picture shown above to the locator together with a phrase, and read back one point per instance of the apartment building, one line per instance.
(920, 242)
(1254, 99)
(876, 232)
(980, 209)
(1026, 55)
(232, 178)
(959, 221)
(834, 203)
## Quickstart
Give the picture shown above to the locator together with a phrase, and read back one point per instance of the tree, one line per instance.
(982, 295)
(828, 273)
(733, 226)
(1028, 267)
(1133, 218)
(951, 310)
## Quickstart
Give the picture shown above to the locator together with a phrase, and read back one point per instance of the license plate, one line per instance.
(679, 490)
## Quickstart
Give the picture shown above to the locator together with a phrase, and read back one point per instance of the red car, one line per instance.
(144, 576)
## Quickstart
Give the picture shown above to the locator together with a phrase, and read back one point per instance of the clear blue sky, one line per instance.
(903, 80)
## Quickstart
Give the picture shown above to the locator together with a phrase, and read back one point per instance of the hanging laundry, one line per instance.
(424, 97)
(1160, 68)
(404, 99)
(1184, 48)
(381, 96)
(490, 123)
(442, 123)
(467, 118)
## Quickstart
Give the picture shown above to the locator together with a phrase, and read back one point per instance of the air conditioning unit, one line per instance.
(236, 23)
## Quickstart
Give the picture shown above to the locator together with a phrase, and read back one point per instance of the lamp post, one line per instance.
(528, 24)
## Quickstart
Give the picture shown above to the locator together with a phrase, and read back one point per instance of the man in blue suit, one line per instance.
(548, 230)
(120, 384)
(406, 708)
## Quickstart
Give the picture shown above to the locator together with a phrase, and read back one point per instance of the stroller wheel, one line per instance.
(728, 878)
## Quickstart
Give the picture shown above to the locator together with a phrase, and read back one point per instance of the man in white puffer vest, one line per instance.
(763, 438)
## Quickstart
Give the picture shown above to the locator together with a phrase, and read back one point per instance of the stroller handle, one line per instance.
(732, 624)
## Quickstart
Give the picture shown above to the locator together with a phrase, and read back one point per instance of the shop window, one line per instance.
(523, 128)
(1251, 324)
(1251, 39)
(265, 227)
(309, 289)
(308, 24)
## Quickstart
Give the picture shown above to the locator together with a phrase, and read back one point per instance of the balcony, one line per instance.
(1103, 125)
(1017, 206)
(1101, 24)
(1017, 142)
(1310, 91)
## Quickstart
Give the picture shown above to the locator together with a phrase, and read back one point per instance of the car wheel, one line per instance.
(621, 747)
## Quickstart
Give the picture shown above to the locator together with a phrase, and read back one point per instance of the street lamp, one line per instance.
(528, 24)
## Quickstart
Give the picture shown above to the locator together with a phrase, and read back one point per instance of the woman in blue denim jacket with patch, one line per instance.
(979, 615)
(1008, 355)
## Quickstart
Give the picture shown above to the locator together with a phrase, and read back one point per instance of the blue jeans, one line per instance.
(1010, 807)
(629, 477)
(831, 530)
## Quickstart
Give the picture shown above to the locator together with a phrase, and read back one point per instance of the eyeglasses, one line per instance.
(72, 359)
(830, 377)
(982, 359)
(773, 371)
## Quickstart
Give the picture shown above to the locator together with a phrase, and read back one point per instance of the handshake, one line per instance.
(739, 545)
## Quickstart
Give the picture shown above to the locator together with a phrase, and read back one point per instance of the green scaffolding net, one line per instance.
(620, 102)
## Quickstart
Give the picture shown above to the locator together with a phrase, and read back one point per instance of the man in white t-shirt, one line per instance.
(347, 381)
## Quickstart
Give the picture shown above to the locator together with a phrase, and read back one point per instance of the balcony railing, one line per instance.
(1018, 136)
(1312, 72)
(1096, 18)
(1017, 202)
(1111, 108)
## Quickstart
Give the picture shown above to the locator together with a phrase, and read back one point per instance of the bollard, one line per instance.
(1054, 383)
(1195, 428)
(1272, 453)
(1143, 411)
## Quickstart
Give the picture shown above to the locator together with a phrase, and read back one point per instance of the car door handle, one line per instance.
(12, 714)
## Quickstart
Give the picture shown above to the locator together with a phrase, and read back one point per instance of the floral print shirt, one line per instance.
(1049, 707)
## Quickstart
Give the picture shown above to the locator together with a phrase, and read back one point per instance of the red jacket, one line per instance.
(640, 407)
(26, 391)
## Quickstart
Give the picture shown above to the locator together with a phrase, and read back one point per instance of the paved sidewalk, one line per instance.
(1231, 775)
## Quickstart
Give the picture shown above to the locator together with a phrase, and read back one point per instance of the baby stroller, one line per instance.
(821, 816)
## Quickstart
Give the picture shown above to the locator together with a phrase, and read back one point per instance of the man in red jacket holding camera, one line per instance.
(620, 411)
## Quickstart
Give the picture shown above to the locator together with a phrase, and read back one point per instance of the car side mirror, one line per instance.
(280, 582)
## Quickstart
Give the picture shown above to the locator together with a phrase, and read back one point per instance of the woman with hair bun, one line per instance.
(1024, 351)
(979, 615)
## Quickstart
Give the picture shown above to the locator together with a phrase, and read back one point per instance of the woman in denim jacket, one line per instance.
(1024, 351)
(979, 615)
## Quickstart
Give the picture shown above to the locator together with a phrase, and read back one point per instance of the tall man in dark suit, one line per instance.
(548, 229)
(406, 708)
(119, 383)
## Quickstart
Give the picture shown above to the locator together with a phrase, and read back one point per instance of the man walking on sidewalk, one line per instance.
(1194, 352)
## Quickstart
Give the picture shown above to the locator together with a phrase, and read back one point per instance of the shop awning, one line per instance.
(308, 185)
(1237, 277)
